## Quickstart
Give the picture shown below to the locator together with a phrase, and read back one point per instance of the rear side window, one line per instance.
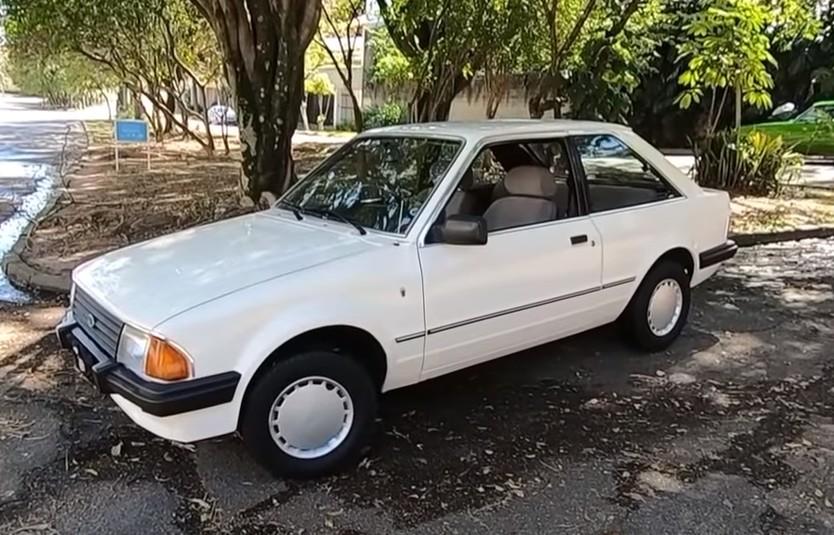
(616, 176)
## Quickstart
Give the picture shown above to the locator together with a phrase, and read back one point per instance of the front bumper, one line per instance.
(719, 254)
(157, 399)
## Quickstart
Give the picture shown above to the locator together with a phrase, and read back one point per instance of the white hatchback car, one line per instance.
(413, 251)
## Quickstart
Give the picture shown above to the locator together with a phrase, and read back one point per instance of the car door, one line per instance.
(634, 207)
(527, 285)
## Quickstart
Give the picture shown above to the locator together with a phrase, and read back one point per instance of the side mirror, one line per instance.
(464, 230)
(784, 110)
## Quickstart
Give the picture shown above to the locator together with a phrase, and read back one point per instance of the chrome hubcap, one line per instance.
(311, 417)
(665, 307)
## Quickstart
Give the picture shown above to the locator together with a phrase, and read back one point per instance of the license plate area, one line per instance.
(83, 365)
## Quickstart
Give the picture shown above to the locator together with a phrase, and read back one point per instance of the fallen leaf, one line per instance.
(202, 503)
(91, 471)
(116, 450)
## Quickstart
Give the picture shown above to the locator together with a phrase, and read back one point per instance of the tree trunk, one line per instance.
(434, 102)
(358, 119)
(263, 44)
(497, 89)
(537, 107)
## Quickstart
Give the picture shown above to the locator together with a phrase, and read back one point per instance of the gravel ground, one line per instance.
(731, 431)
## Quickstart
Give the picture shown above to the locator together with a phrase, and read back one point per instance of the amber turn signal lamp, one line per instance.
(166, 362)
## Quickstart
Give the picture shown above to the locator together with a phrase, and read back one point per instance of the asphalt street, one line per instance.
(731, 431)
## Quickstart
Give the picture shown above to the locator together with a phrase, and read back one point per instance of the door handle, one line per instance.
(576, 240)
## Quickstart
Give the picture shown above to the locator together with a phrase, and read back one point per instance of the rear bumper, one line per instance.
(716, 255)
(157, 399)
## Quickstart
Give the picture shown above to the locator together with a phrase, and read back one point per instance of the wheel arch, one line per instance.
(680, 255)
(353, 342)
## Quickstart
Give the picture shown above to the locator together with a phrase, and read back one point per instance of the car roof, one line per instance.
(477, 130)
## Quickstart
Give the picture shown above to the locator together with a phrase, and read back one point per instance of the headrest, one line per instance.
(530, 181)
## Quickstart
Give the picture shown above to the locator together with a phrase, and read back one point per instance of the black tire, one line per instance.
(634, 321)
(254, 420)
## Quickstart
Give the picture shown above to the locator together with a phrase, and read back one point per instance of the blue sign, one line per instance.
(131, 131)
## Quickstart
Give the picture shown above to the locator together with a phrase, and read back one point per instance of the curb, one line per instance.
(762, 238)
(21, 274)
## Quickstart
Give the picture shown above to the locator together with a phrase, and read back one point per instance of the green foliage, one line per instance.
(745, 164)
(319, 84)
(386, 114)
(389, 67)
(445, 44)
(64, 80)
(608, 68)
(728, 48)
(152, 47)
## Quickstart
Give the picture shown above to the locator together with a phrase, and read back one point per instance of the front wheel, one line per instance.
(310, 414)
(658, 310)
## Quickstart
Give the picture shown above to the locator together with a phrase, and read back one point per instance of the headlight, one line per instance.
(148, 355)
(133, 346)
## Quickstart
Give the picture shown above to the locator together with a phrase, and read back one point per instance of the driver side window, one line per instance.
(513, 184)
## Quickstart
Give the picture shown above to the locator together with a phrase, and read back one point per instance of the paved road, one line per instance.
(729, 432)
(34, 143)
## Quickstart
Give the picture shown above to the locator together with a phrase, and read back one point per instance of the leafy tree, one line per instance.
(446, 42)
(559, 31)
(341, 19)
(610, 66)
(320, 85)
(145, 44)
(730, 48)
(263, 44)
(389, 67)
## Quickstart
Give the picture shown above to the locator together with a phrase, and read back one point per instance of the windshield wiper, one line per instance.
(292, 208)
(326, 212)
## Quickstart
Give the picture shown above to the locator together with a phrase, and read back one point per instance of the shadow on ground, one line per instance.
(582, 433)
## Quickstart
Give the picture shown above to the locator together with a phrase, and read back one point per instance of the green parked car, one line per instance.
(809, 132)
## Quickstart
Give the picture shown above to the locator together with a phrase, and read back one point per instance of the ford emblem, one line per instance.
(91, 321)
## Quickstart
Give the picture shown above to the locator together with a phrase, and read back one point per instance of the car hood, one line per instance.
(768, 125)
(148, 283)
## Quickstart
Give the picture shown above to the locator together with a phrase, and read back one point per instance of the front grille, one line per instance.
(103, 327)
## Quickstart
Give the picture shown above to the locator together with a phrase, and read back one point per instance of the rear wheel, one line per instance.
(310, 414)
(659, 308)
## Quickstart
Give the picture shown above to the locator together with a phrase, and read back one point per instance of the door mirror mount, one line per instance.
(463, 230)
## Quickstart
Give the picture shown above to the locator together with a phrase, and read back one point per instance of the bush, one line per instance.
(745, 163)
(386, 114)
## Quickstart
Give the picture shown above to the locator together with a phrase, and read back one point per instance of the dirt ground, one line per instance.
(103, 209)
(796, 209)
(731, 431)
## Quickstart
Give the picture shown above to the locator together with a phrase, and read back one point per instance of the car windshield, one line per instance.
(823, 112)
(380, 183)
